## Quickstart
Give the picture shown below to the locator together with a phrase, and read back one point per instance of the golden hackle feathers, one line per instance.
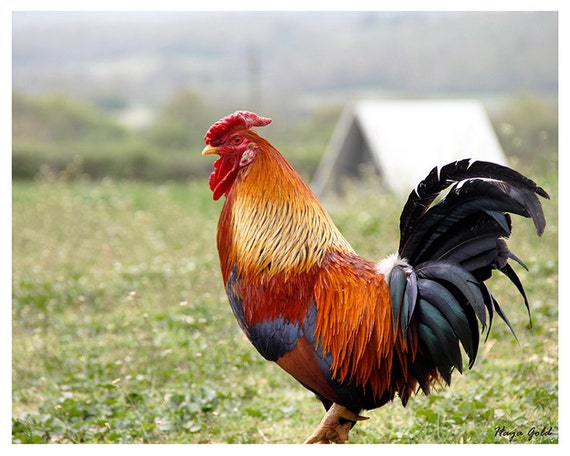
(276, 223)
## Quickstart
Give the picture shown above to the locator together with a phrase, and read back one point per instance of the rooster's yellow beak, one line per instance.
(209, 150)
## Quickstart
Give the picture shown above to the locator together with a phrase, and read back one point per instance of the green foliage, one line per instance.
(182, 123)
(58, 119)
(528, 128)
(126, 160)
(122, 332)
(55, 133)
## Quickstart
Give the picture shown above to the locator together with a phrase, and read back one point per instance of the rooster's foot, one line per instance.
(330, 429)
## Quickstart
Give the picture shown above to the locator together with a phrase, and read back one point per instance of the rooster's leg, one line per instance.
(331, 430)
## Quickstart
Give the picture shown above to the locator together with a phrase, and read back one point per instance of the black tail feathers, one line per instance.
(477, 184)
(451, 247)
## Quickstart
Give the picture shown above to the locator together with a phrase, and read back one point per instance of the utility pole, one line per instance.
(254, 78)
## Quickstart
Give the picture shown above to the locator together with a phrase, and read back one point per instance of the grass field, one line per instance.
(122, 332)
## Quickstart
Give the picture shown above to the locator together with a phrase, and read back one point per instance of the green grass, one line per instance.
(122, 332)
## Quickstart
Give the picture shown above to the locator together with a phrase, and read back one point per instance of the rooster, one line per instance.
(356, 332)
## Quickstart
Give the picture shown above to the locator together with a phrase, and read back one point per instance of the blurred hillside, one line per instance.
(281, 59)
(133, 93)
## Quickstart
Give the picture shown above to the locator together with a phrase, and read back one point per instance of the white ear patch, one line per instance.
(249, 155)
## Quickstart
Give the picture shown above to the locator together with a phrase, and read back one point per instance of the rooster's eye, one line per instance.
(236, 140)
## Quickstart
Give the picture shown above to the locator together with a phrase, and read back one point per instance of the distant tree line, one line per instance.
(53, 132)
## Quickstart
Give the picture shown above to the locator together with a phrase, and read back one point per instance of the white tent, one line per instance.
(404, 140)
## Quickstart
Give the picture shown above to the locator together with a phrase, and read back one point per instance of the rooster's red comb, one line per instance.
(237, 120)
